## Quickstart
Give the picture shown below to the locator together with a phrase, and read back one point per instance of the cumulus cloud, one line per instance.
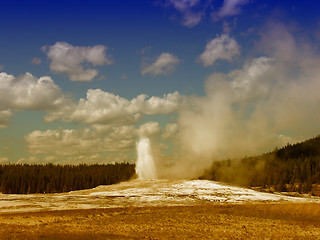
(80, 142)
(165, 64)
(250, 82)
(100, 143)
(107, 108)
(192, 19)
(111, 120)
(229, 8)
(27, 92)
(191, 16)
(36, 61)
(170, 130)
(183, 5)
(96, 144)
(149, 129)
(194, 11)
(70, 60)
(222, 47)
(169, 103)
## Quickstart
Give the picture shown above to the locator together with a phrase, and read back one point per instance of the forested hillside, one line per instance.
(17, 178)
(292, 168)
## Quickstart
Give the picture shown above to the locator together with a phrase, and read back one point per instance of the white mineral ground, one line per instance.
(141, 193)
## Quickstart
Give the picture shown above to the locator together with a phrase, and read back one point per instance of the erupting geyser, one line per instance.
(145, 167)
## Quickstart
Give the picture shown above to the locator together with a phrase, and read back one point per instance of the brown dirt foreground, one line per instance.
(242, 221)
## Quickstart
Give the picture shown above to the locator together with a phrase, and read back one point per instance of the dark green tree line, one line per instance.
(50, 178)
(296, 167)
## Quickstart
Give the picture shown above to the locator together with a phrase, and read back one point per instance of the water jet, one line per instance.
(145, 167)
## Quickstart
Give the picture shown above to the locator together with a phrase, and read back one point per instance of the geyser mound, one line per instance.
(145, 167)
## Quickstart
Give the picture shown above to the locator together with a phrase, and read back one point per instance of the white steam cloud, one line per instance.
(270, 100)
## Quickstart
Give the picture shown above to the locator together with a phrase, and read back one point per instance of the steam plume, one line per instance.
(145, 167)
(269, 102)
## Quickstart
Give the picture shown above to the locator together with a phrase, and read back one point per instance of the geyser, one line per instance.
(145, 167)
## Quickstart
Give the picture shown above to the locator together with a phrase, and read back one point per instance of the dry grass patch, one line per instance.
(245, 221)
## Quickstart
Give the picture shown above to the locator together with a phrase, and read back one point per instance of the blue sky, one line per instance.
(216, 79)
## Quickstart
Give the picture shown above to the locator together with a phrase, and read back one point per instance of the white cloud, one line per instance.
(170, 130)
(251, 81)
(165, 64)
(106, 108)
(229, 8)
(192, 19)
(69, 142)
(27, 92)
(222, 47)
(70, 60)
(100, 107)
(183, 5)
(192, 12)
(149, 129)
(111, 130)
(100, 143)
(36, 61)
(190, 16)
(169, 103)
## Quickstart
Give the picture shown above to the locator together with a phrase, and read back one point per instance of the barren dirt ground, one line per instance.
(159, 209)
(218, 221)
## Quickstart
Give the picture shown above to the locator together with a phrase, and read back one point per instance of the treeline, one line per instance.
(292, 168)
(51, 178)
